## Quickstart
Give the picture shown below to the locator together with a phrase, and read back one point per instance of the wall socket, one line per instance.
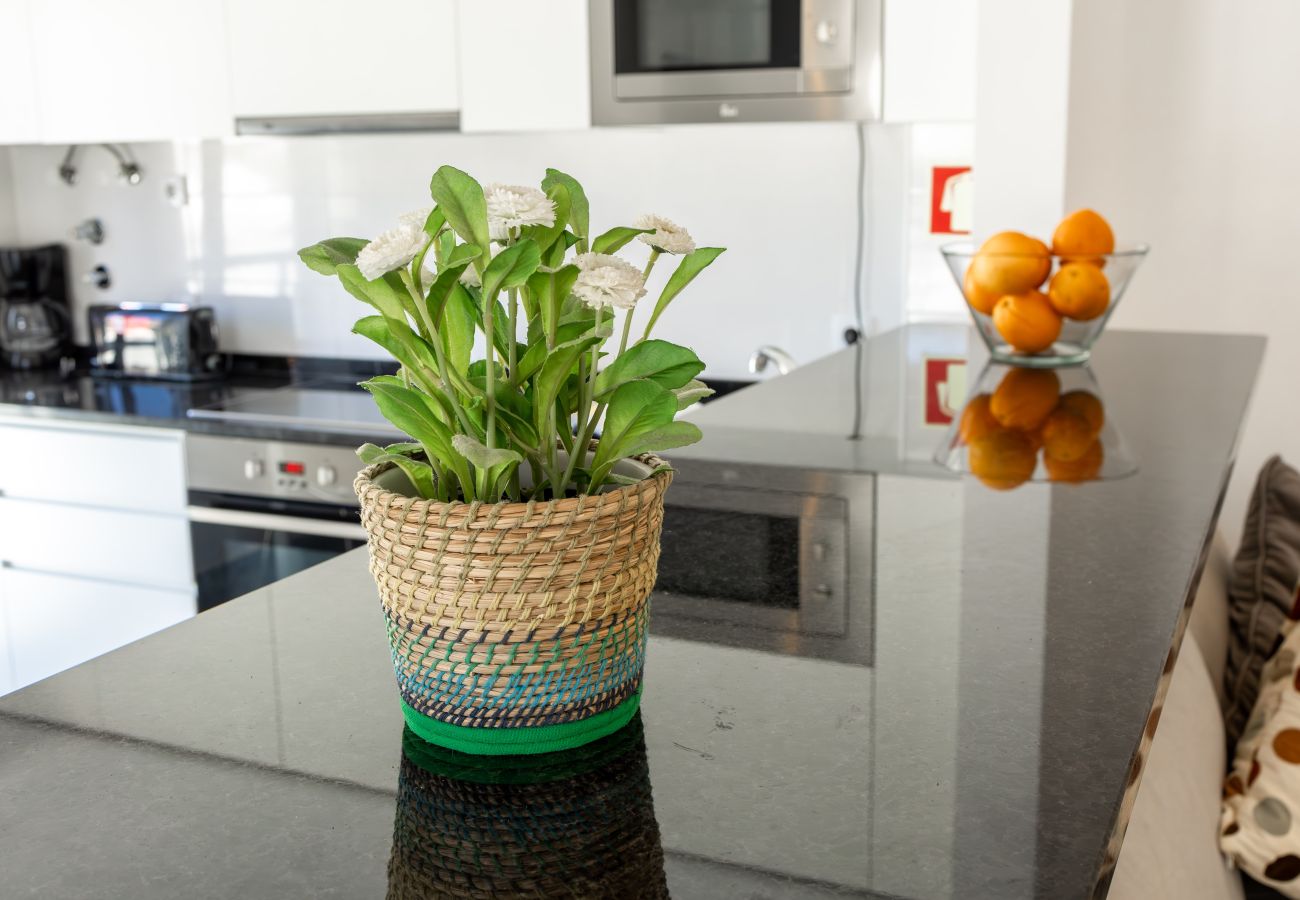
(177, 191)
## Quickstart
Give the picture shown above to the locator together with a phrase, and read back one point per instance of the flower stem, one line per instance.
(511, 333)
(489, 302)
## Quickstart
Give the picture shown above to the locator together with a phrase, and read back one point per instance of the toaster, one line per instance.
(170, 341)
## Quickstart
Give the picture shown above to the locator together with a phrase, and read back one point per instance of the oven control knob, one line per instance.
(254, 469)
(326, 476)
(826, 32)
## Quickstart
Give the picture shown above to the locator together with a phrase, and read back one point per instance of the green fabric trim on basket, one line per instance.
(509, 741)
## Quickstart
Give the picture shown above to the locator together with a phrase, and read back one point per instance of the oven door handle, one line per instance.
(207, 515)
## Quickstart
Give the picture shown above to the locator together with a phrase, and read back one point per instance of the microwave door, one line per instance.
(731, 48)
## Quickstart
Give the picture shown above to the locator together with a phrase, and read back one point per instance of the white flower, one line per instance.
(604, 280)
(416, 217)
(668, 237)
(470, 277)
(391, 250)
(511, 206)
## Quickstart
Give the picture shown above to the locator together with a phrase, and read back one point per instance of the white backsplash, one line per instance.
(780, 197)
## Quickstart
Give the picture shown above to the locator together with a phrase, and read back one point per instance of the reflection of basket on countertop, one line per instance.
(516, 627)
(572, 823)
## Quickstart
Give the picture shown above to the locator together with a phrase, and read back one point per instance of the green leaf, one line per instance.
(420, 473)
(635, 409)
(403, 344)
(617, 238)
(553, 258)
(462, 255)
(326, 256)
(692, 392)
(456, 331)
(664, 363)
(416, 414)
(555, 371)
(461, 200)
(380, 293)
(435, 222)
(513, 408)
(481, 455)
(549, 290)
(536, 354)
(579, 209)
(543, 236)
(405, 448)
(511, 267)
(666, 437)
(692, 264)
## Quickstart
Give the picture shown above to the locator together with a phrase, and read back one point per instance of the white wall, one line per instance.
(8, 220)
(1183, 131)
(780, 197)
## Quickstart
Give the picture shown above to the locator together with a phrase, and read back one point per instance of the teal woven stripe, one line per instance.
(511, 741)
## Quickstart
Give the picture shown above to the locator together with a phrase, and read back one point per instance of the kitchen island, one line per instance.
(972, 729)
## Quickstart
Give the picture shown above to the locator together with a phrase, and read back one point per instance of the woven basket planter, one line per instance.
(516, 627)
(577, 823)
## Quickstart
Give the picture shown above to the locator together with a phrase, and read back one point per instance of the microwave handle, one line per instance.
(207, 515)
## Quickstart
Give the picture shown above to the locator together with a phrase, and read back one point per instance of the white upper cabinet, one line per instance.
(929, 60)
(524, 65)
(340, 58)
(129, 70)
(17, 76)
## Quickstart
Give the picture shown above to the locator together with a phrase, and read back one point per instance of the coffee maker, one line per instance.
(35, 323)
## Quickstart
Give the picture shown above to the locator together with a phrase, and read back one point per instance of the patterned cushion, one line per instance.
(1262, 595)
(1260, 820)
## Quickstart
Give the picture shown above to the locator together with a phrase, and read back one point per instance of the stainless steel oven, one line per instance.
(770, 558)
(262, 510)
(655, 61)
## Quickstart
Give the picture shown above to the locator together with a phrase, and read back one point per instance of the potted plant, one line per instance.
(514, 538)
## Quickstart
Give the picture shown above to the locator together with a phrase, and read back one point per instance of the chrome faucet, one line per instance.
(784, 362)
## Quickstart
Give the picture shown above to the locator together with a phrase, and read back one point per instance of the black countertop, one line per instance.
(1018, 645)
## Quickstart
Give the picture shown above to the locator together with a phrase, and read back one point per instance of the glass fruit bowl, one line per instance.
(1019, 318)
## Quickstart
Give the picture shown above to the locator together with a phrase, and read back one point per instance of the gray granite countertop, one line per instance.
(976, 737)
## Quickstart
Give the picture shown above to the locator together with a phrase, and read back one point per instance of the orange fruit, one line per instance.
(1067, 435)
(1083, 236)
(1025, 398)
(1087, 405)
(1086, 468)
(976, 419)
(1011, 263)
(1027, 321)
(1079, 291)
(979, 299)
(1003, 459)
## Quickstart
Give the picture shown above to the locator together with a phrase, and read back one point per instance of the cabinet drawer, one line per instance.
(56, 622)
(139, 469)
(140, 548)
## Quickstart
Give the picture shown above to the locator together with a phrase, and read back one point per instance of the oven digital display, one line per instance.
(293, 468)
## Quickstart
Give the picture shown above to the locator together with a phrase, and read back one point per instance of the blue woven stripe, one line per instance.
(603, 669)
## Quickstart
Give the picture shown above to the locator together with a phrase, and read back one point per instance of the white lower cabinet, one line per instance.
(136, 547)
(55, 622)
(94, 542)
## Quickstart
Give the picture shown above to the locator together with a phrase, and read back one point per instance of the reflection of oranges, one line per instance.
(1003, 459)
(977, 419)
(980, 299)
(1079, 291)
(1067, 435)
(1010, 263)
(1087, 405)
(1085, 468)
(1027, 321)
(1025, 397)
(1083, 236)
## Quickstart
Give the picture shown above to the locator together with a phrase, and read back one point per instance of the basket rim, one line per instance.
(365, 484)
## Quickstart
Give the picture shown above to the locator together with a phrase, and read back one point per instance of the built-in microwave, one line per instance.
(657, 61)
(768, 558)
